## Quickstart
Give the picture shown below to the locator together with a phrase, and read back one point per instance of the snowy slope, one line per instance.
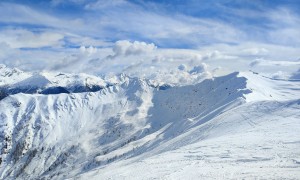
(245, 142)
(131, 129)
(264, 88)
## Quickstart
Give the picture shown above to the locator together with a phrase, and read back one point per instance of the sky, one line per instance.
(78, 35)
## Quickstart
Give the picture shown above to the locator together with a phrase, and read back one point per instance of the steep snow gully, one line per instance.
(239, 125)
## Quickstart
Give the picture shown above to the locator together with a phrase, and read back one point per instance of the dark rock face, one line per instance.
(6, 91)
(3, 94)
(80, 89)
(55, 90)
(164, 87)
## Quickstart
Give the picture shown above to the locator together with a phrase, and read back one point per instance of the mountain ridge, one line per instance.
(46, 136)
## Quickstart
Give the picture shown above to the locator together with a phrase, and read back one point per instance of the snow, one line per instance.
(8, 75)
(241, 125)
(16, 77)
(269, 89)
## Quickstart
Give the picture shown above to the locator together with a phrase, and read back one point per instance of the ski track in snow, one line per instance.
(241, 125)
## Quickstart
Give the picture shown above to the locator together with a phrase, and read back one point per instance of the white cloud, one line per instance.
(126, 48)
(21, 38)
(216, 42)
(255, 51)
(6, 51)
(285, 26)
(252, 50)
(15, 13)
(264, 62)
(102, 4)
(86, 41)
(88, 50)
(168, 30)
(21, 14)
(280, 75)
(121, 19)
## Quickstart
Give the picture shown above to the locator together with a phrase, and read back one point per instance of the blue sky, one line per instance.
(45, 26)
(167, 23)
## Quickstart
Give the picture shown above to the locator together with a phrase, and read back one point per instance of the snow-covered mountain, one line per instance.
(241, 125)
(13, 81)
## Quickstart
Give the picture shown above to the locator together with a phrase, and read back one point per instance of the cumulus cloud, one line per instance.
(217, 55)
(127, 48)
(88, 50)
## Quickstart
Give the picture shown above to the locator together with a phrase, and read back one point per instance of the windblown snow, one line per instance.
(68, 126)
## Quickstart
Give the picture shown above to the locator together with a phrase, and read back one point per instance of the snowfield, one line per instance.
(241, 125)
